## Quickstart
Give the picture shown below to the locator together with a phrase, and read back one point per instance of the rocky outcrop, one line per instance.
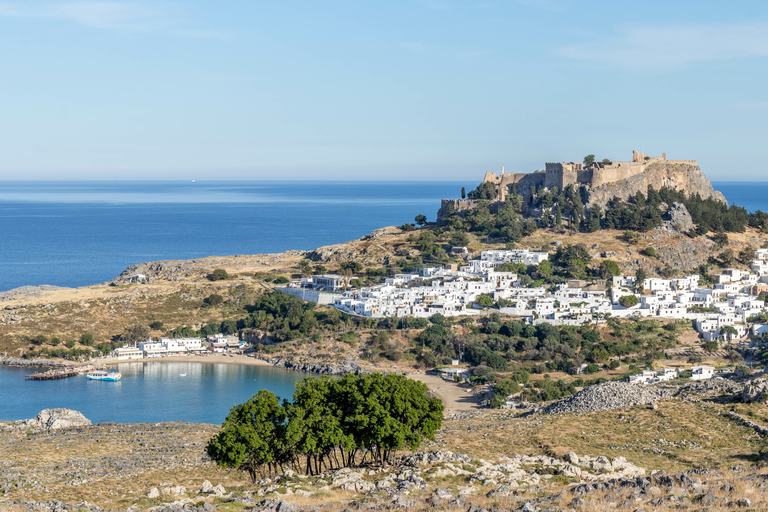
(755, 392)
(35, 363)
(52, 419)
(680, 176)
(678, 218)
(607, 396)
(342, 368)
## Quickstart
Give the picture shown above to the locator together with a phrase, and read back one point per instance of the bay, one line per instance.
(148, 392)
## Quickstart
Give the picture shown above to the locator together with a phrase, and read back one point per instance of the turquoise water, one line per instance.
(147, 393)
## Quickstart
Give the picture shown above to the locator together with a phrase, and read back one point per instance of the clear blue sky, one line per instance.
(419, 89)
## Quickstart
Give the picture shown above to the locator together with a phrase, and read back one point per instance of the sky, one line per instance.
(364, 90)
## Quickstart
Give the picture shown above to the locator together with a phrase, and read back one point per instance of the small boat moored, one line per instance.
(111, 376)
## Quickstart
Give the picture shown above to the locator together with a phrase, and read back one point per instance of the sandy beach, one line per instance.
(455, 398)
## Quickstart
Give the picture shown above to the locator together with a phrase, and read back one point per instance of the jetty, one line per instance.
(52, 375)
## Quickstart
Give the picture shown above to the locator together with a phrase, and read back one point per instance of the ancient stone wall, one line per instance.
(615, 172)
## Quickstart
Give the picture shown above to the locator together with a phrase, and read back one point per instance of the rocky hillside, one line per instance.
(686, 177)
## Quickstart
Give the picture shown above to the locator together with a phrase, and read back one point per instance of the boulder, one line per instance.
(52, 419)
(678, 218)
(570, 470)
(153, 493)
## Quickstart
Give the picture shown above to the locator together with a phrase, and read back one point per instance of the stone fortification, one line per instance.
(600, 181)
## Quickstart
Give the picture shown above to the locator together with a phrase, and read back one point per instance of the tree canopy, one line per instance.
(330, 423)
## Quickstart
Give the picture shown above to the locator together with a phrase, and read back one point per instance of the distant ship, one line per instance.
(194, 181)
(111, 376)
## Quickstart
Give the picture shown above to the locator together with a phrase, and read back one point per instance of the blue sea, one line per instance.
(81, 233)
(147, 392)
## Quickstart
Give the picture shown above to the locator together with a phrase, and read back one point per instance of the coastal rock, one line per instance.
(52, 419)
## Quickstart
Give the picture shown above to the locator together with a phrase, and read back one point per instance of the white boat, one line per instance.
(182, 375)
(111, 376)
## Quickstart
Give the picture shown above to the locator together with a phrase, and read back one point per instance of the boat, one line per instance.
(111, 376)
(182, 375)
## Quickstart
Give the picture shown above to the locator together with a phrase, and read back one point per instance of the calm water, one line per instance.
(81, 233)
(752, 195)
(148, 392)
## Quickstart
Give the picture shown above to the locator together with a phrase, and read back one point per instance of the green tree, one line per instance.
(85, 339)
(640, 277)
(459, 239)
(628, 301)
(218, 275)
(135, 333)
(729, 332)
(463, 193)
(485, 301)
(589, 160)
(420, 220)
(215, 299)
(649, 251)
(252, 436)
(156, 325)
(609, 269)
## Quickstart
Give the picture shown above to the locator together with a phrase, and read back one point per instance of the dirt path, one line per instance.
(455, 397)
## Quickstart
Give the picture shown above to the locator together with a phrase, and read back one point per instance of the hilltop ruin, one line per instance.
(599, 182)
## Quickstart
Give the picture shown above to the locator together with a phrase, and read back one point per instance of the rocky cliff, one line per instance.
(680, 176)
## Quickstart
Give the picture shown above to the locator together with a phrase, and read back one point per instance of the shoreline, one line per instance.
(211, 359)
(455, 398)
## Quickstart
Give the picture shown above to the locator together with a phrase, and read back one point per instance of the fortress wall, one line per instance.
(615, 172)
(585, 176)
(568, 178)
(553, 179)
(686, 162)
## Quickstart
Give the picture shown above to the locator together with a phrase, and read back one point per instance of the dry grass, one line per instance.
(675, 437)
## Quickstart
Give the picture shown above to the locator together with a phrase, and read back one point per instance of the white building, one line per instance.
(702, 372)
(128, 353)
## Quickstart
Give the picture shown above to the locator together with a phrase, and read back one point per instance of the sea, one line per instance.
(80, 233)
(147, 393)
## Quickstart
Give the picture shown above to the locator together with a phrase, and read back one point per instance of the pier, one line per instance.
(51, 375)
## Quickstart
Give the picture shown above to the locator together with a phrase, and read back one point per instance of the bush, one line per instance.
(628, 301)
(218, 275)
(86, 339)
(281, 280)
(215, 299)
(156, 325)
(649, 251)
